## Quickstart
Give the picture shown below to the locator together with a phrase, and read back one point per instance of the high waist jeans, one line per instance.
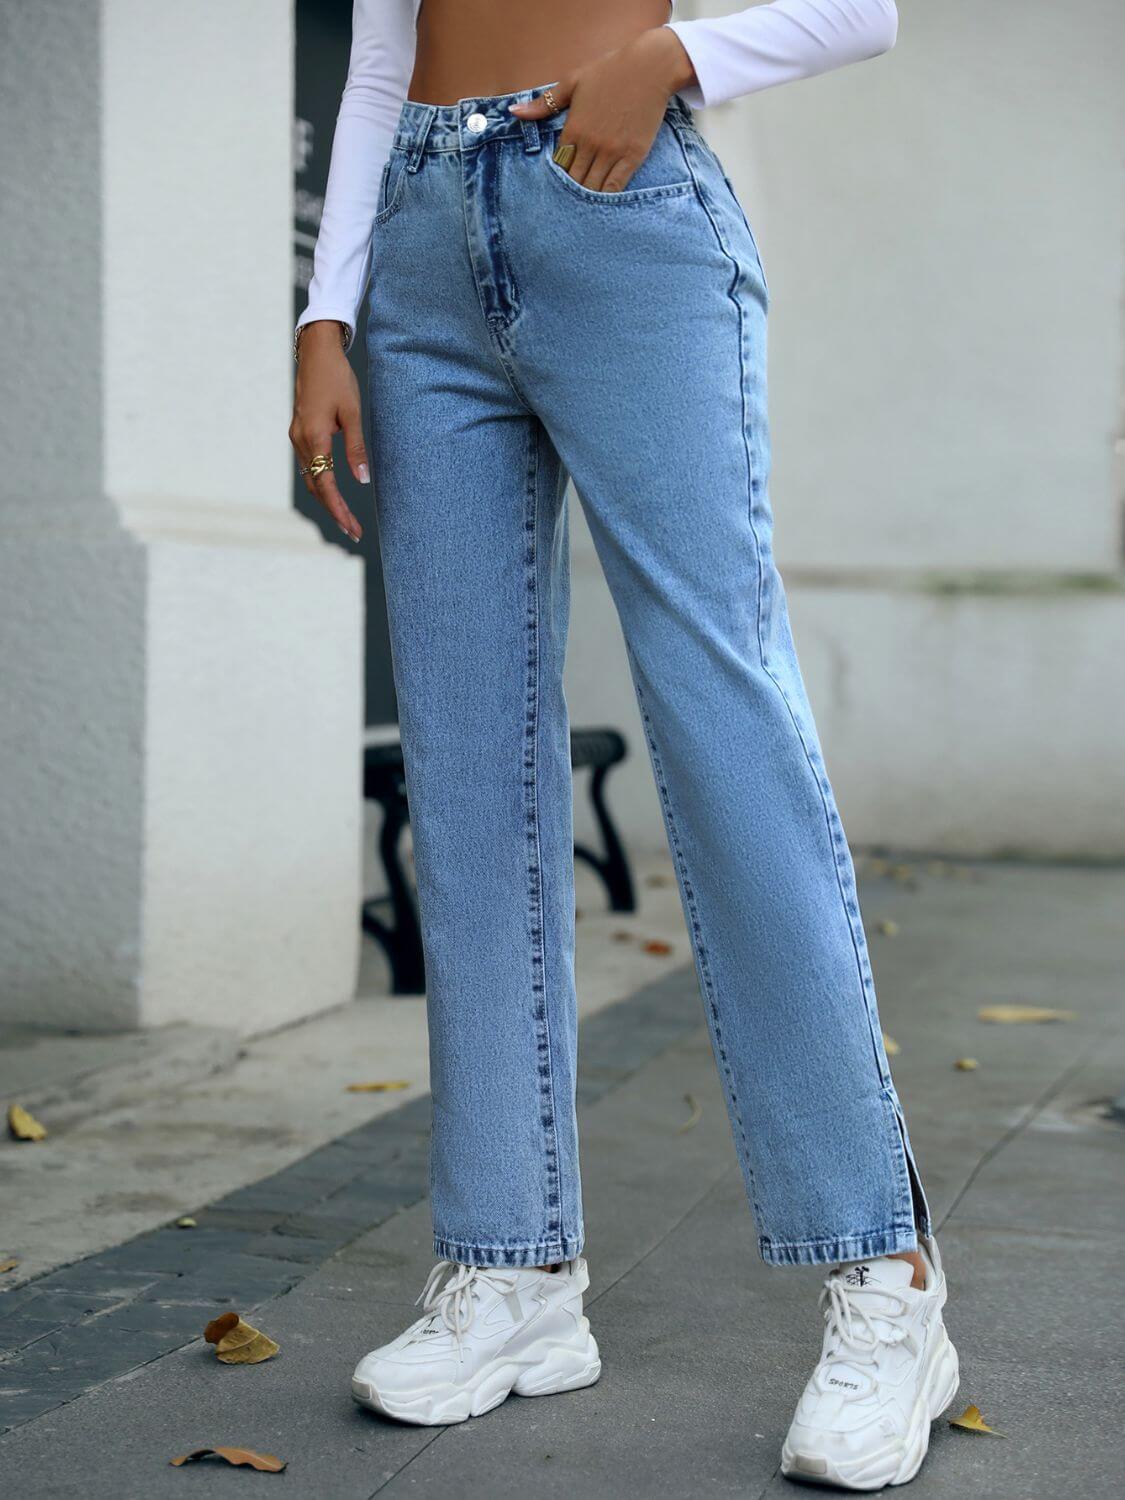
(523, 328)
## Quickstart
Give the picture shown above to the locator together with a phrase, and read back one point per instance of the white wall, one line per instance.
(942, 231)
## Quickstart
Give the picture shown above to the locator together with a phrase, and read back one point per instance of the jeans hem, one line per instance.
(834, 1252)
(541, 1253)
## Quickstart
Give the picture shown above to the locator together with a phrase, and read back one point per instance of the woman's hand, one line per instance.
(616, 106)
(326, 402)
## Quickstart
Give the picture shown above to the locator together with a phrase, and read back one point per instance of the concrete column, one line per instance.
(181, 708)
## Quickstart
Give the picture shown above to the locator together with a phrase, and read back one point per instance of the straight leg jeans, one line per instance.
(523, 328)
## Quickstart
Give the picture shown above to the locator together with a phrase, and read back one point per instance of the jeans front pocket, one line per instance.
(663, 174)
(390, 186)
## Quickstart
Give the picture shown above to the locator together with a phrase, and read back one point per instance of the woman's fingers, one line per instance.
(326, 401)
(352, 424)
(609, 173)
(583, 160)
(328, 493)
(596, 166)
(325, 488)
(542, 107)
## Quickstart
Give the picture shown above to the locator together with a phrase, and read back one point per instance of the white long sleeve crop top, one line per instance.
(738, 54)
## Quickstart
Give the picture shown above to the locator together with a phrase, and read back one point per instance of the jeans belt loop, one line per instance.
(415, 159)
(531, 138)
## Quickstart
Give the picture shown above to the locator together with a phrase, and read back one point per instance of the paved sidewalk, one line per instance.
(146, 1126)
(705, 1348)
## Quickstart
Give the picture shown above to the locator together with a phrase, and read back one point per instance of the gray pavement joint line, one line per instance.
(687, 1213)
(652, 1249)
(1036, 1107)
(661, 1000)
(769, 1483)
(402, 1468)
(1031, 1110)
(130, 1374)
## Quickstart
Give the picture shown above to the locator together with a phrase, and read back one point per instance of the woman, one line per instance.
(563, 283)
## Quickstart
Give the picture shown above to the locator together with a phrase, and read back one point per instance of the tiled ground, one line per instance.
(704, 1347)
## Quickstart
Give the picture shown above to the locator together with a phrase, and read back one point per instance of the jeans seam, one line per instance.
(832, 822)
(508, 1252)
(696, 932)
(495, 325)
(908, 1169)
(535, 861)
(834, 1249)
(514, 299)
(831, 826)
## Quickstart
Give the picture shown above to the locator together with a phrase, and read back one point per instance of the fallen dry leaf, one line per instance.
(389, 1086)
(24, 1127)
(696, 1114)
(187, 1222)
(972, 1421)
(1013, 1014)
(658, 945)
(266, 1462)
(887, 928)
(220, 1326)
(237, 1343)
(8, 1265)
(967, 1064)
(890, 1046)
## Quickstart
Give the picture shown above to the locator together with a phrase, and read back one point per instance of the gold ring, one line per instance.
(565, 155)
(552, 102)
(318, 464)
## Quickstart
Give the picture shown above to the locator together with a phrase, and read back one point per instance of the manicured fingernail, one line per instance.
(345, 530)
(364, 474)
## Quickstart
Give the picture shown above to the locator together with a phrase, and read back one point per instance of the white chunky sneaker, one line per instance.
(486, 1332)
(886, 1370)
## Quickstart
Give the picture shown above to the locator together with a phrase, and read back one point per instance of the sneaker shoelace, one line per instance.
(854, 1335)
(450, 1294)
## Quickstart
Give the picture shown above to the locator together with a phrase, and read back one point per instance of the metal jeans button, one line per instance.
(476, 123)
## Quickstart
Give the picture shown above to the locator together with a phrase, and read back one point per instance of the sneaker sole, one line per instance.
(898, 1462)
(555, 1368)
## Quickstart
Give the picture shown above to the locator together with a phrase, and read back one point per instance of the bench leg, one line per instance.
(401, 938)
(612, 865)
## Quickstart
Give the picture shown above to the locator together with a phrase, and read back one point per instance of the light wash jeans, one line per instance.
(522, 328)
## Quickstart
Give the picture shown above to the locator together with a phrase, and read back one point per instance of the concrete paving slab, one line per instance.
(705, 1348)
(145, 1127)
(323, 1313)
(295, 1406)
(363, 1178)
(1074, 1145)
(700, 1375)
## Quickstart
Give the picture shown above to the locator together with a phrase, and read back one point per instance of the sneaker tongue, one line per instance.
(869, 1277)
(885, 1272)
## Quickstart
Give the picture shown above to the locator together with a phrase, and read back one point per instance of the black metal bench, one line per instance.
(393, 918)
